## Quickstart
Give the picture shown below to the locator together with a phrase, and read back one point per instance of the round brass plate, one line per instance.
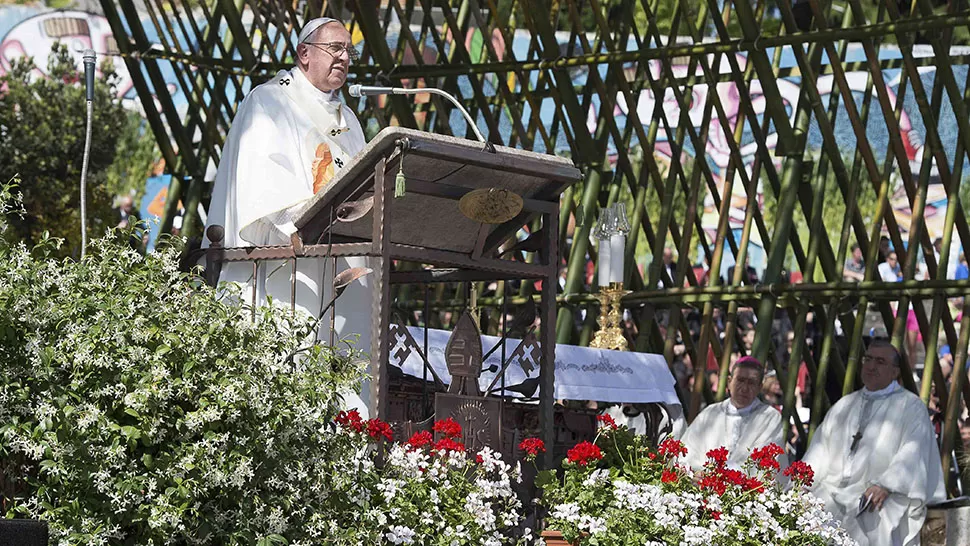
(491, 205)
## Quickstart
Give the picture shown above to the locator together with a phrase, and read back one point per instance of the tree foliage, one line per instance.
(42, 125)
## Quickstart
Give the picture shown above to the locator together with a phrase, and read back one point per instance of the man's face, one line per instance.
(857, 253)
(324, 67)
(668, 256)
(745, 386)
(891, 259)
(878, 368)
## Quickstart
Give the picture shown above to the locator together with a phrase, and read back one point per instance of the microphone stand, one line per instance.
(364, 91)
(89, 57)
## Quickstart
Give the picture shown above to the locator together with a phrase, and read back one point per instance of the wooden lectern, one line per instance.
(358, 214)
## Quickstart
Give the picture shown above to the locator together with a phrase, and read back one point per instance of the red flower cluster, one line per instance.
(720, 479)
(350, 420)
(445, 445)
(668, 476)
(718, 456)
(800, 472)
(449, 428)
(584, 453)
(670, 448)
(607, 421)
(532, 447)
(767, 457)
(377, 429)
(419, 440)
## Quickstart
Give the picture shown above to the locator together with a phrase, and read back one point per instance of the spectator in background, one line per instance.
(889, 270)
(962, 272)
(749, 275)
(884, 248)
(855, 267)
(772, 392)
(669, 267)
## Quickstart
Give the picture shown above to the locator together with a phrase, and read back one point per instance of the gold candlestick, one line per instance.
(610, 335)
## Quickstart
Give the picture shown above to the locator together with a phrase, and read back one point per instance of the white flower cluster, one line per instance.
(685, 518)
(445, 498)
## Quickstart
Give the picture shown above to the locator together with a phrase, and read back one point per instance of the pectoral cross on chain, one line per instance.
(855, 441)
(863, 421)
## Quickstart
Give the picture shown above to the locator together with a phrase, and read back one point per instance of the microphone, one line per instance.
(358, 90)
(89, 57)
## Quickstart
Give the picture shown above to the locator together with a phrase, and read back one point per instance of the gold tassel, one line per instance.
(399, 184)
(400, 181)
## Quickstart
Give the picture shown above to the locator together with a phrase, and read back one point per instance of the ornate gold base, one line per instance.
(610, 335)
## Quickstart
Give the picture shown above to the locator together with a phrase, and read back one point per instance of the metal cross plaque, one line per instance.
(480, 418)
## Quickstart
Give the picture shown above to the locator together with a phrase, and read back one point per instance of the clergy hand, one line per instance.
(879, 496)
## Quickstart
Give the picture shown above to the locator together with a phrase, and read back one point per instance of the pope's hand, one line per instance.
(879, 496)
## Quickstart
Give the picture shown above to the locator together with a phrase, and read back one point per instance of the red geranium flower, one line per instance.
(672, 448)
(715, 516)
(419, 440)
(479, 459)
(532, 447)
(668, 476)
(445, 445)
(449, 428)
(767, 456)
(377, 428)
(350, 420)
(607, 421)
(584, 453)
(800, 472)
(718, 456)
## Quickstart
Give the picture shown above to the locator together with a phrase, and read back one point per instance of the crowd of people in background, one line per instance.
(783, 337)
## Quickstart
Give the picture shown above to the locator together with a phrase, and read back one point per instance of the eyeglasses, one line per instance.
(867, 359)
(336, 48)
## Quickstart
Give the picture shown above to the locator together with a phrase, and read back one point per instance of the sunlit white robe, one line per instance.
(287, 140)
(740, 431)
(897, 451)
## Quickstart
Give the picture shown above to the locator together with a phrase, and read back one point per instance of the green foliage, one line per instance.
(833, 213)
(137, 407)
(42, 124)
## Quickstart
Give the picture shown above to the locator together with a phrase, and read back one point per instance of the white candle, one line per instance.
(604, 263)
(617, 253)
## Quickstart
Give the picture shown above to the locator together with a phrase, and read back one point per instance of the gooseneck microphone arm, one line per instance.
(357, 90)
(89, 58)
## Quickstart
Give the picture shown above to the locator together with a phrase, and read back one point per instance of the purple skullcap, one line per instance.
(750, 359)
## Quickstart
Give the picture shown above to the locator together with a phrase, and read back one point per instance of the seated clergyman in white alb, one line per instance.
(877, 446)
(742, 423)
(288, 139)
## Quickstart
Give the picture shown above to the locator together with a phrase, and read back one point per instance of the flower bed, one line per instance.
(648, 497)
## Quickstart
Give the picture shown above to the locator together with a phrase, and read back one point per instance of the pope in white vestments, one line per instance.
(878, 444)
(742, 423)
(288, 139)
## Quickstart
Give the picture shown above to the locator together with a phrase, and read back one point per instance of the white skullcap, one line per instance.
(312, 26)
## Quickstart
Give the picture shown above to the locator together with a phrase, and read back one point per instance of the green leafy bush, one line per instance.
(137, 408)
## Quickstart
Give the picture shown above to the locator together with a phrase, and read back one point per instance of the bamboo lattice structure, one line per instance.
(728, 127)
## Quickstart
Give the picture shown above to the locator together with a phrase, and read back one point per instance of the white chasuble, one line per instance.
(287, 141)
(739, 430)
(882, 438)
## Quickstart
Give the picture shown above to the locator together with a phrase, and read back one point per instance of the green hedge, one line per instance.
(137, 408)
